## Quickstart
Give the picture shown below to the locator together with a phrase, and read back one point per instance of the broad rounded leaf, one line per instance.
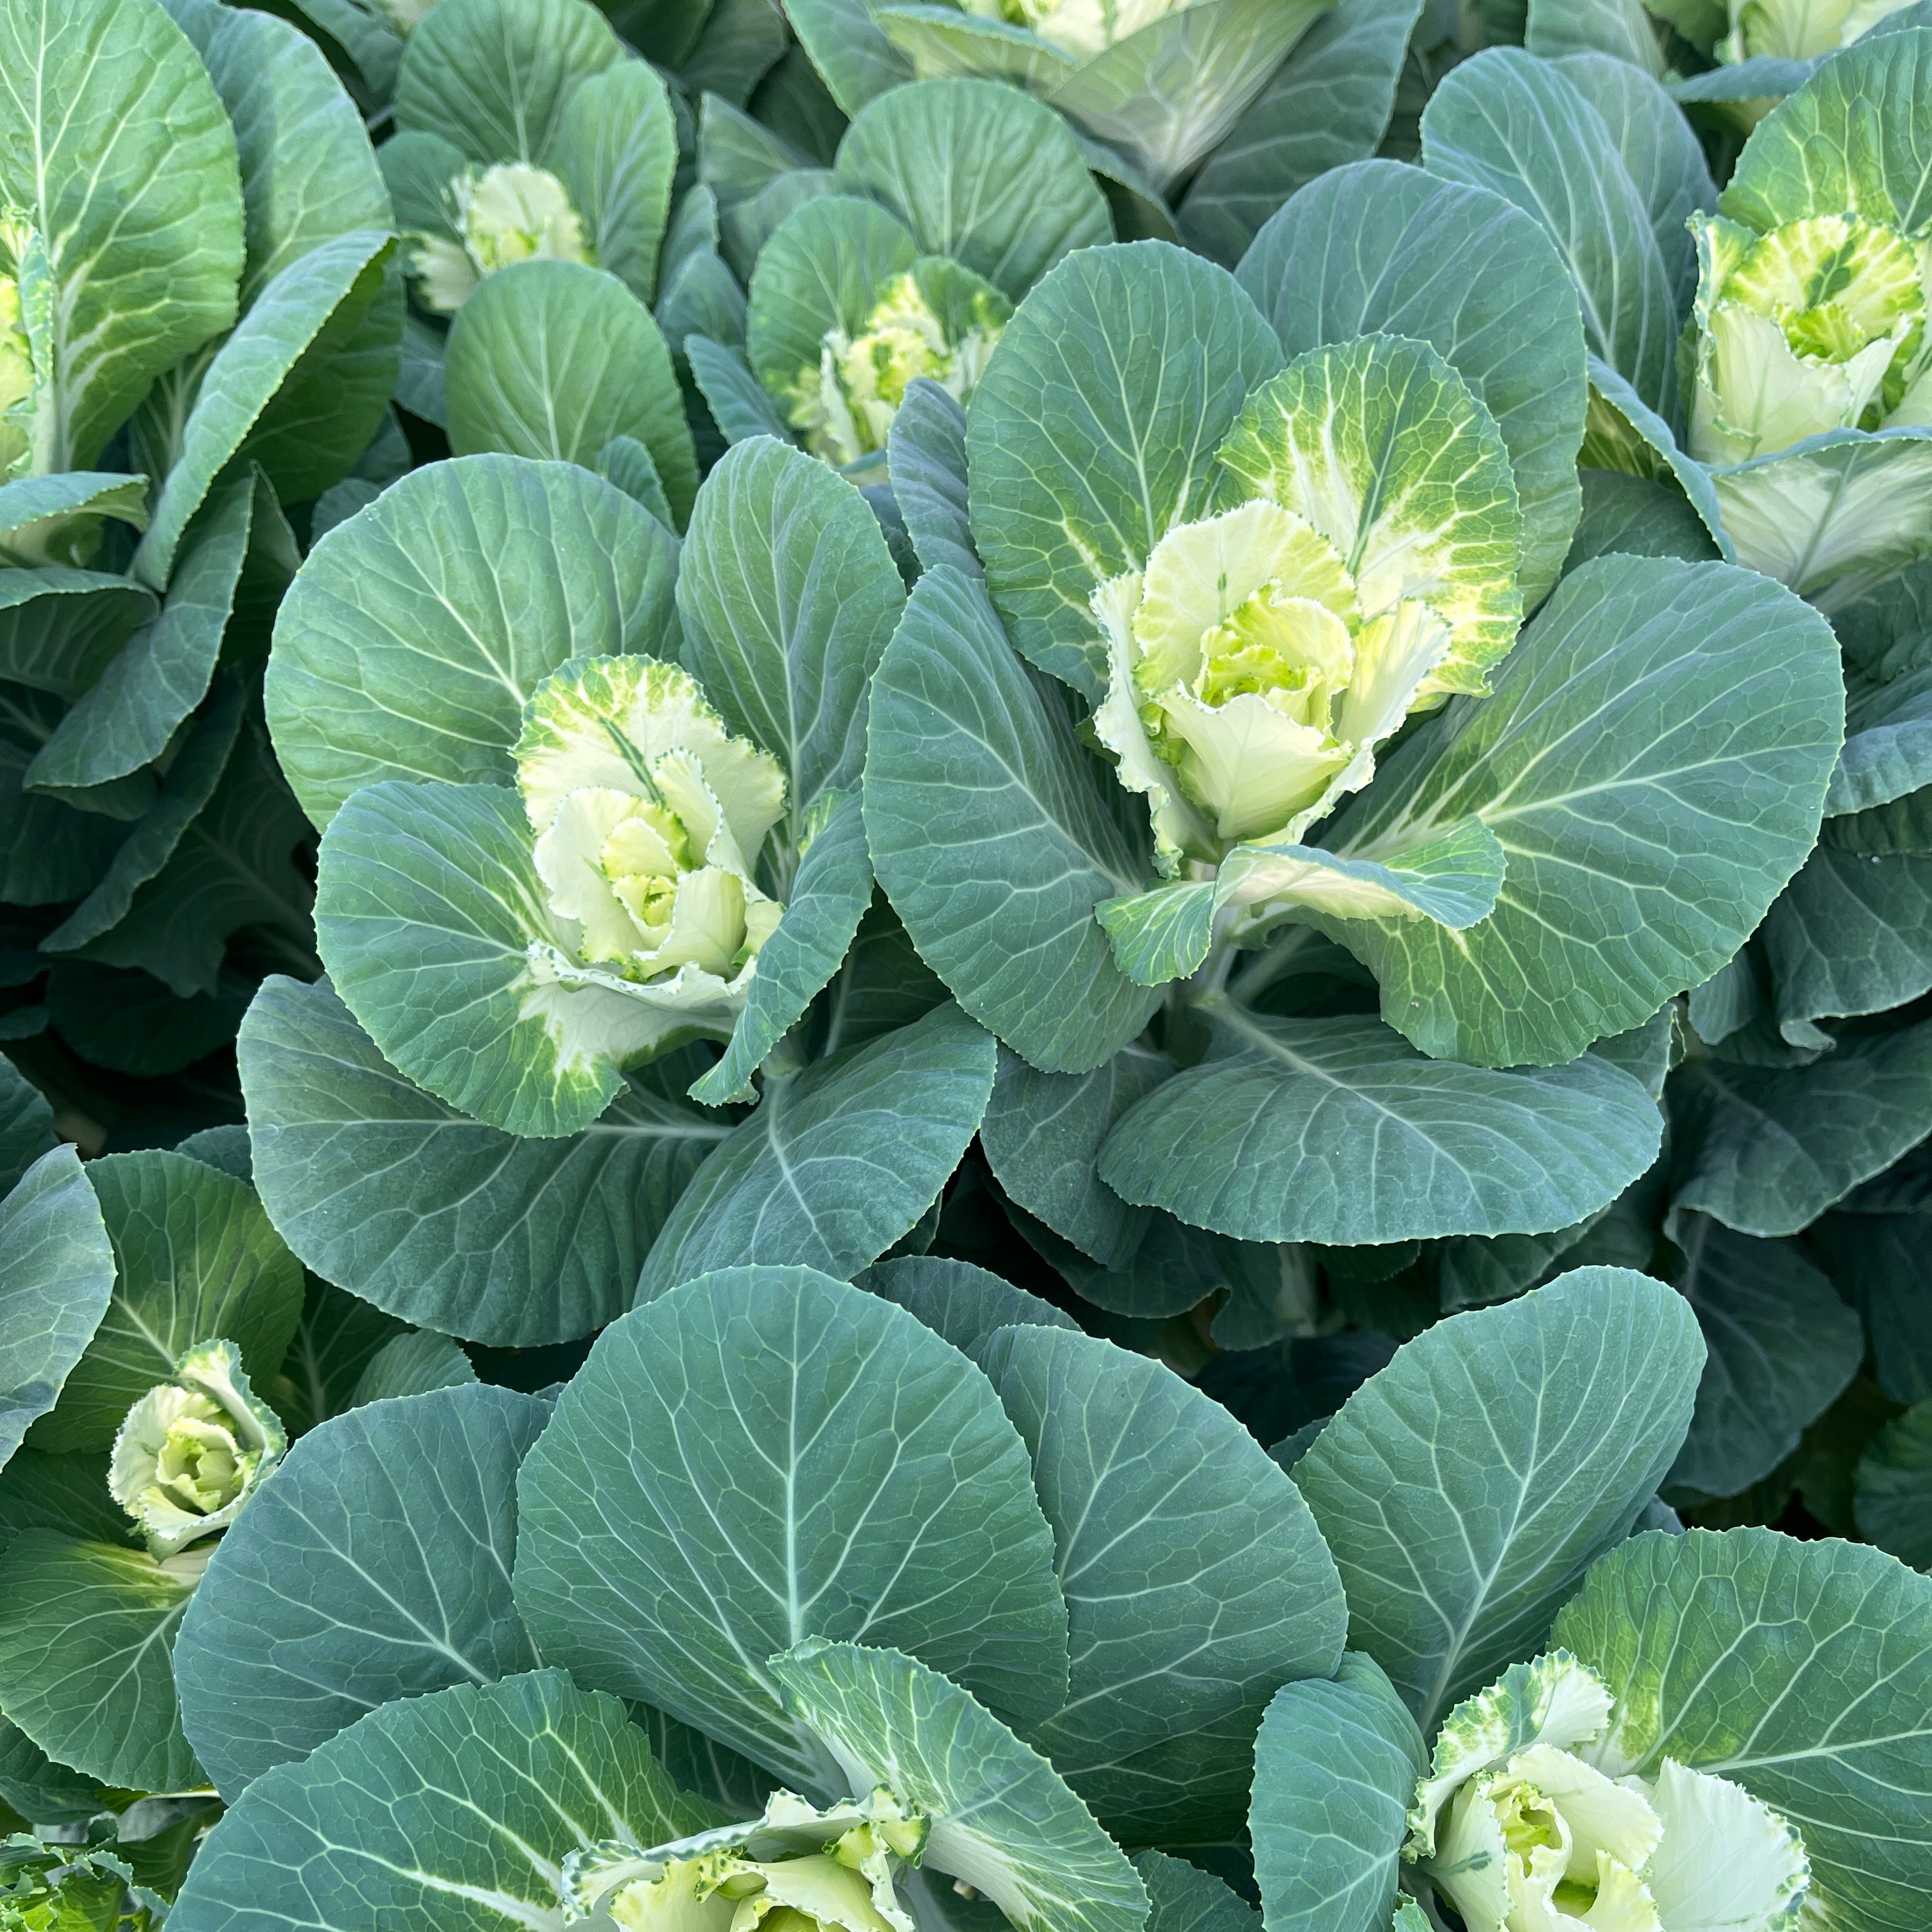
(764, 1455)
(1803, 1671)
(1466, 1487)
(376, 1565)
(416, 630)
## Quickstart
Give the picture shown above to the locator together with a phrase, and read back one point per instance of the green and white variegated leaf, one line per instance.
(788, 595)
(1002, 1821)
(1834, 516)
(1163, 933)
(1652, 764)
(1327, 105)
(549, 360)
(375, 1566)
(841, 1159)
(1454, 1565)
(828, 897)
(437, 1217)
(115, 149)
(1780, 1347)
(59, 1277)
(1380, 445)
(780, 1409)
(978, 173)
(1094, 431)
(1335, 1768)
(439, 936)
(1195, 1578)
(416, 631)
(995, 835)
(126, 719)
(456, 1808)
(495, 77)
(86, 1629)
(1800, 1671)
(196, 1258)
(316, 300)
(1523, 127)
(1284, 1133)
(1383, 247)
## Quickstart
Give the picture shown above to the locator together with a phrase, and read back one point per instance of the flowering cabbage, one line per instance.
(1819, 325)
(512, 212)
(192, 1451)
(1518, 1825)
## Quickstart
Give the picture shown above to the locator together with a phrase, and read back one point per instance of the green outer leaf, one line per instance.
(1182, 1897)
(1452, 880)
(163, 672)
(1327, 105)
(617, 151)
(549, 360)
(961, 1302)
(1094, 430)
(1802, 1671)
(376, 1565)
(1853, 139)
(927, 458)
(782, 1409)
(456, 1810)
(734, 397)
(494, 77)
(1170, 92)
(1653, 762)
(35, 1787)
(1456, 1565)
(26, 1130)
(838, 1161)
(416, 1362)
(29, 502)
(1888, 743)
(1639, 516)
(114, 146)
(84, 1633)
(1042, 1137)
(1654, 445)
(994, 835)
(1196, 1580)
(1507, 122)
(1766, 1150)
(1163, 933)
(1381, 246)
(1002, 1820)
(1286, 1133)
(979, 173)
(787, 594)
(192, 777)
(246, 371)
(1619, 27)
(1335, 1771)
(1780, 1348)
(407, 646)
(849, 49)
(59, 628)
(197, 1258)
(58, 1278)
(829, 898)
(1892, 1489)
(436, 1217)
(1852, 934)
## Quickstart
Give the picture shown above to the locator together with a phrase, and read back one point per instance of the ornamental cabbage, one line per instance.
(794, 1868)
(1799, 29)
(1819, 325)
(1080, 28)
(1521, 1826)
(512, 212)
(936, 320)
(650, 817)
(193, 1450)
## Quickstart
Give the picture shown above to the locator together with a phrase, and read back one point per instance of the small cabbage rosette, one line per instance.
(193, 1450)
(648, 816)
(1523, 1827)
(1819, 325)
(1266, 652)
(795, 1868)
(501, 215)
(935, 320)
(1799, 29)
